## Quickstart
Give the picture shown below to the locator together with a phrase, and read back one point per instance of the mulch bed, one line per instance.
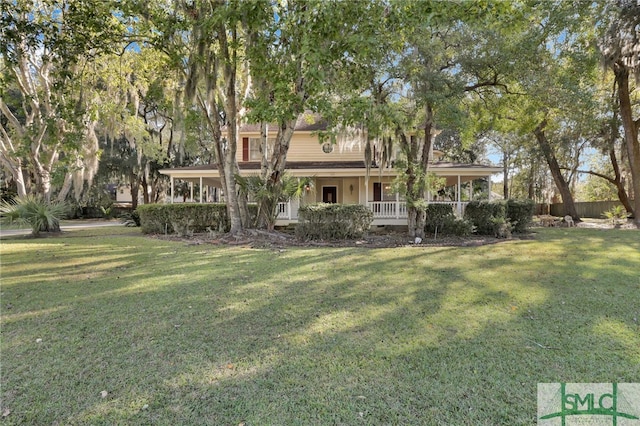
(386, 239)
(280, 240)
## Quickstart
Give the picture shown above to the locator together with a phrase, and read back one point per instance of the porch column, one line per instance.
(172, 189)
(200, 189)
(397, 205)
(489, 180)
(366, 191)
(458, 197)
(471, 190)
(191, 190)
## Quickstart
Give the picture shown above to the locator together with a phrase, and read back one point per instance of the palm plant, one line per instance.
(268, 194)
(616, 215)
(33, 211)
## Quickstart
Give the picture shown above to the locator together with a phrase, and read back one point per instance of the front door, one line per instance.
(377, 191)
(329, 194)
(377, 196)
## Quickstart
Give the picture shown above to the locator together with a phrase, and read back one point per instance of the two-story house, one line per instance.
(339, 176)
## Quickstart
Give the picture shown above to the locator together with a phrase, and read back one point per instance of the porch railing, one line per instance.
(388, 209)
(283, 210)
(380, 209)
(398, 209)
(458, 207)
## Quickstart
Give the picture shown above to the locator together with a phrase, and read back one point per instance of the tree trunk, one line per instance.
(417, 152)
(243, 206)
(505, 179)
(277, 164)
(412, 220)
(630, 137)
(273, 168)
(133, 182)
(230, 168)
(20, 185)
(15, 167)
(619, 183)
(264, 136)
(531, 187)
(231, 198)
(145, 190)
(558, 178)
(230, 64)
(66, 187)
(43, 180)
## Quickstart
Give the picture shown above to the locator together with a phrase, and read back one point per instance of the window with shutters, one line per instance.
(253, 148)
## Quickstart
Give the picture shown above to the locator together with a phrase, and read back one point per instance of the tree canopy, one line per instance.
(154, 84)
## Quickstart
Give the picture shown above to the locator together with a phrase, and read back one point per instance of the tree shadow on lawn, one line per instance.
(326, 336)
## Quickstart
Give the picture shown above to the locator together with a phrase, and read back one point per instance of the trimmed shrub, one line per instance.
(487, 216)
(183, 219)
(333, 221)
(456, 226)
(437, 216)
(520, 214)
(131, 219)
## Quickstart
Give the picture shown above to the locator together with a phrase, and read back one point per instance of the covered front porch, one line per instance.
(345, 183)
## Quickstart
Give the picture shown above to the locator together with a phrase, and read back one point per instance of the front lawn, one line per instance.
(119, 328)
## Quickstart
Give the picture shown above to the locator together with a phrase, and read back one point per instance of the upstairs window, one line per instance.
(251, 148)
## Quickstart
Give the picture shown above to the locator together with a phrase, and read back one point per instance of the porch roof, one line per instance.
(444, 168)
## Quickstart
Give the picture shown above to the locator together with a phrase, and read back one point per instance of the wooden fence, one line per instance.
(589, 209)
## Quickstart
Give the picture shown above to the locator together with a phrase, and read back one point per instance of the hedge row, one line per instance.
(520, 214)
(486, 216)
(333, 221)
(343, 221)
(183, 218)
(442, 220)
(437, 216)
(500, 218)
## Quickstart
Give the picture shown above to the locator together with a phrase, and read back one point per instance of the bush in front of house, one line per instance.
(488, 217)
(457, 226)
(500, 218)
(441, 220)
(437, 216)
(520, 214)
(131, 219)
(183, 219)
(324, 221)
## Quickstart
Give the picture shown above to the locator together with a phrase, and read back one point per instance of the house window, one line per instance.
(387, 192)
(383, 192)
(251, 148)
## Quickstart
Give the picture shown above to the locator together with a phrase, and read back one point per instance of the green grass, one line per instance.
(180, 334)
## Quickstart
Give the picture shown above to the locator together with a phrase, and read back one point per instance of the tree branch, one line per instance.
(492, 82)
(590, 172)
(15, 123)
